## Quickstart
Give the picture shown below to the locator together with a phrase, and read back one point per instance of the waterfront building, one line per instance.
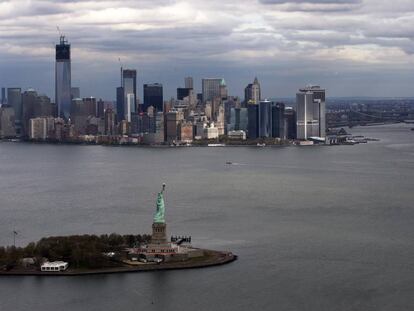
(278, 120)
(253, 120)
(14, 99)
(188, 83)
(143, 122)
(238, 120)
(265, 119)
(7, 122)
(46, 128)
(310, 103)
(213, 88)
(109, 117)
(211, 131)
(220, 120)
(153, 96)
(55, 266)
(63, 78)
(124, 128)
(156, 137)
(81, 111)
(186, 132)
(200, 122)
(38, 128)
(95, 126)
(290, 123)
(237, 135)
(243, 119)
(252, 92)
(173, 121)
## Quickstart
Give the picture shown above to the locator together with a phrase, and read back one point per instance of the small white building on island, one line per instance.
(54, 266)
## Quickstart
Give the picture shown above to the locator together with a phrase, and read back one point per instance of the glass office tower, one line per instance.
(153, 96)
(63, 78)
(129, 84)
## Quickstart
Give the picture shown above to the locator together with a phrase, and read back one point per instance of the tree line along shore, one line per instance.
(80, 251)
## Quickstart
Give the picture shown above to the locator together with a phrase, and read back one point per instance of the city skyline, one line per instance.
(353, 48)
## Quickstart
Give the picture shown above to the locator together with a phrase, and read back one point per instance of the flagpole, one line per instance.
(14, 238)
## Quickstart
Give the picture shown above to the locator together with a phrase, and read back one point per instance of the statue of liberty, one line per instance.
(159, 216)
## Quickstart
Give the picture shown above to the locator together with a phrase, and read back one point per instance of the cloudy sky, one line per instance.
(351, 47)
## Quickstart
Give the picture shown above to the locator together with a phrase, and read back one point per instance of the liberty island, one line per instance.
(116, 254)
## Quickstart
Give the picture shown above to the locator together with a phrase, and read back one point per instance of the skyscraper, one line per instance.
(212, 88)
(278, 120)
(153, 96)
(188, 83)
(172, 126)
(109, 122)
(7, 123)
(252, 92)
(265, 119)
(310, 102)
(290, 120)
(183, 92)
(63, 78)
(130, 107)
(14, 99)
(238, 119)
(253, 121)
(120, 107)
(29, 98)
(129, 84)
(100, 109)
(75, 92)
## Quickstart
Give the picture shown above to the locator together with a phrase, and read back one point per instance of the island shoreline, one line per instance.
(220, 258)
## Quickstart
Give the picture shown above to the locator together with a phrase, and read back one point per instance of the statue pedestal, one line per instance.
(159, 233)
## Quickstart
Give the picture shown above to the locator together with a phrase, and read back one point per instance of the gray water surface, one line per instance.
(315, 228)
